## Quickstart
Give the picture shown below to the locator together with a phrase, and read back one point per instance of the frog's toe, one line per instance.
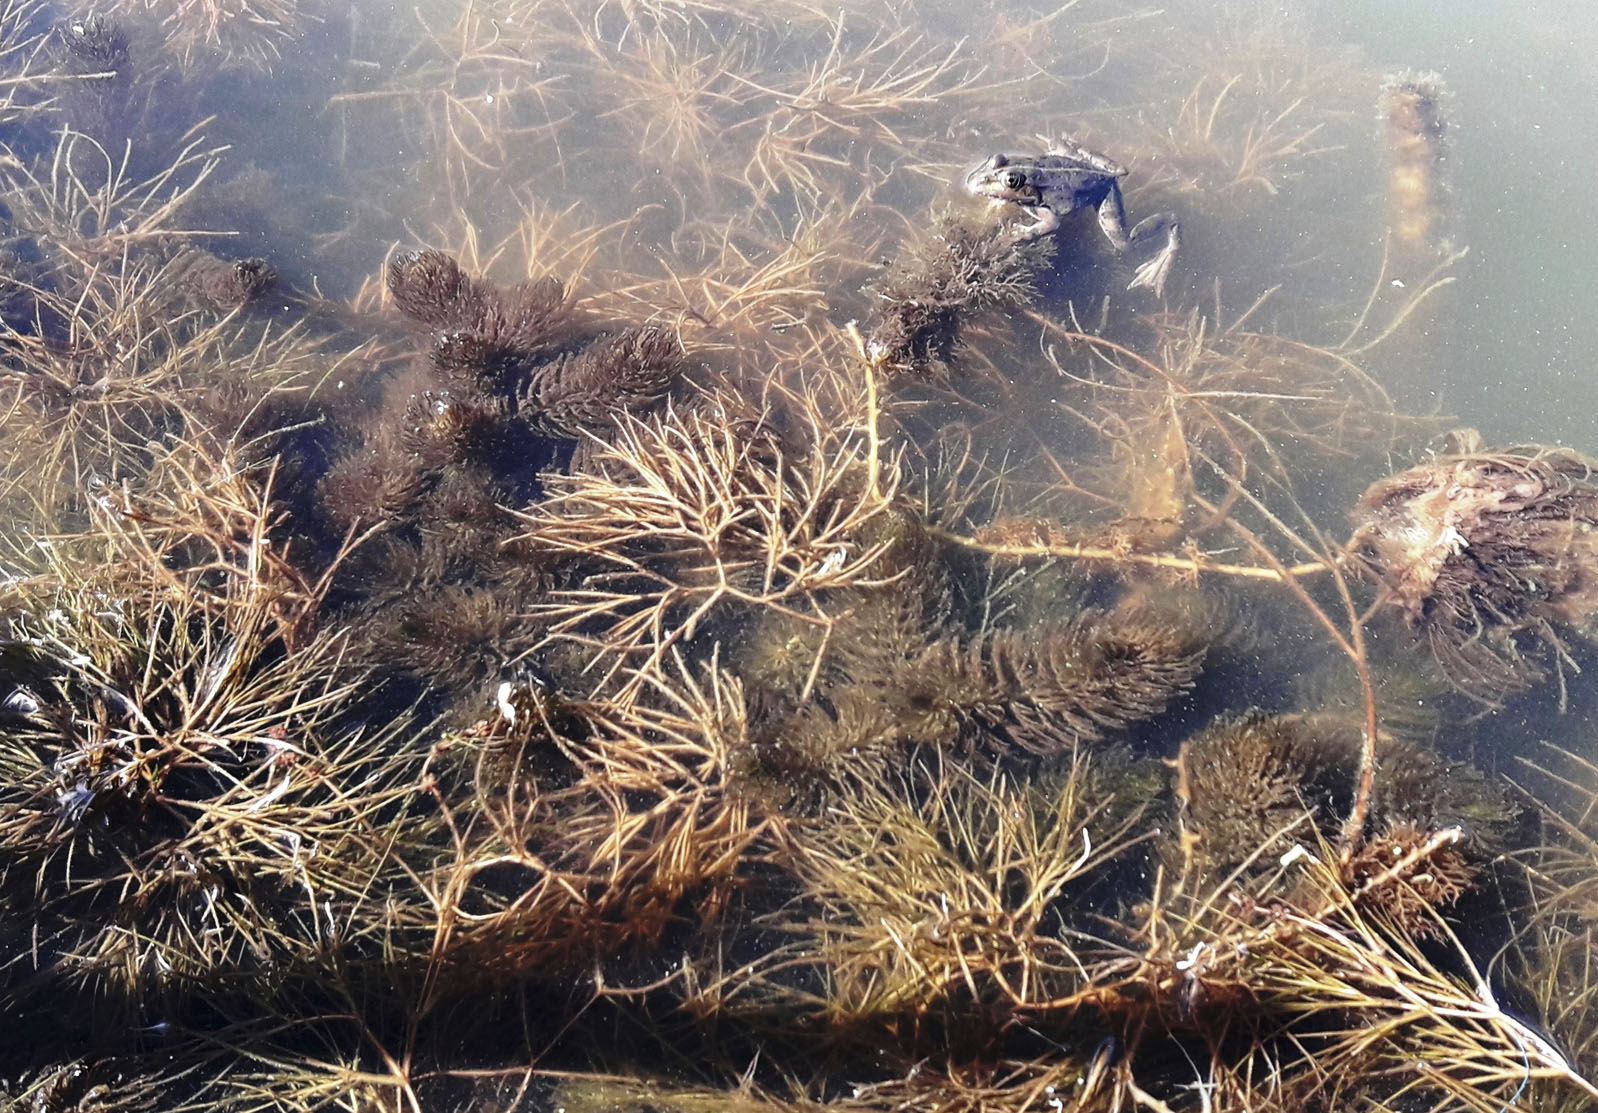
(1152, 274)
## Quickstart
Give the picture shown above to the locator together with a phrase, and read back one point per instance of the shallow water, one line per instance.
(1524, 147)
(834, 656)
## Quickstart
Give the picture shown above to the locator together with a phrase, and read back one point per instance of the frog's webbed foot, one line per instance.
(1153, 273)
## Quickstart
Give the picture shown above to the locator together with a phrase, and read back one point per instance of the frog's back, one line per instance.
(1071, 182)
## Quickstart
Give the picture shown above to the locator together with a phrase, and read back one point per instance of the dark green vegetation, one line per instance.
(539, 617)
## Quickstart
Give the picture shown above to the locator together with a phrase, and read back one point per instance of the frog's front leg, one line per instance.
(1112, 222)
(1044, 221)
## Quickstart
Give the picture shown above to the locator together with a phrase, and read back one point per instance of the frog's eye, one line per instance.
(1012, 179)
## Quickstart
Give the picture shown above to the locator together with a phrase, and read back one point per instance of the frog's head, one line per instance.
(1002, 178)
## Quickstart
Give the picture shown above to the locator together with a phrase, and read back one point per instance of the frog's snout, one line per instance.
(971, 177)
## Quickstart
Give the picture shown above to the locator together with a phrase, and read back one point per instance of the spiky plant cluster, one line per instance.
(1416, 130)
(1040, 690)
(1044, 688)
(959, 270)
(506, 379)
(1260, 779)
(482, 330)
(94, 49)
(220, 284)
(511, 361)
(585, 390)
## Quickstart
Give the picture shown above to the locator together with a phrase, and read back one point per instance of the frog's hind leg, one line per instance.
(1112, 222)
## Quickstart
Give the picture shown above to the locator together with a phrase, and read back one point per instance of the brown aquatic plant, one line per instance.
(1256, 401)
(94, 49)
(226, 34)
(979, 912)
(706, 505)
(581, 830)
(1047, 688)
(376, 483)
(104, 1085)
(220, 284)
(115, 366)
(1241, 783)
(928, 897)
(957, 271)
(181, 790)
(1248, 787)
(1236, 135)
(1551, 957)
(582, 392)
(453, 636)
(1416, 134)
(1485, 554)
(1312, 979)
(481, 90)
(90, 204)
(677, 89)
(739, 287)
(807, 129)
(484, 333)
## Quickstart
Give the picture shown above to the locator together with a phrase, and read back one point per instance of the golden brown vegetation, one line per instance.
(232, 34)
(180, 801)
(707, 507)
(642, 635)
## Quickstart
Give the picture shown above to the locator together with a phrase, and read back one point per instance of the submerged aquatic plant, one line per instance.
(228, 34)
(1485, 554)
(184, 801)
(626, 373)
(1253, 784)
(220, 284)
(94, 49)
(580, 830)
(928, 900)
(481, 329)
(817, 728)
(921, 303)
(1416, 133)
(703, 507)
(1045, 688)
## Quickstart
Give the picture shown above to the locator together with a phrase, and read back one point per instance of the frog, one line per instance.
(1069, 177)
